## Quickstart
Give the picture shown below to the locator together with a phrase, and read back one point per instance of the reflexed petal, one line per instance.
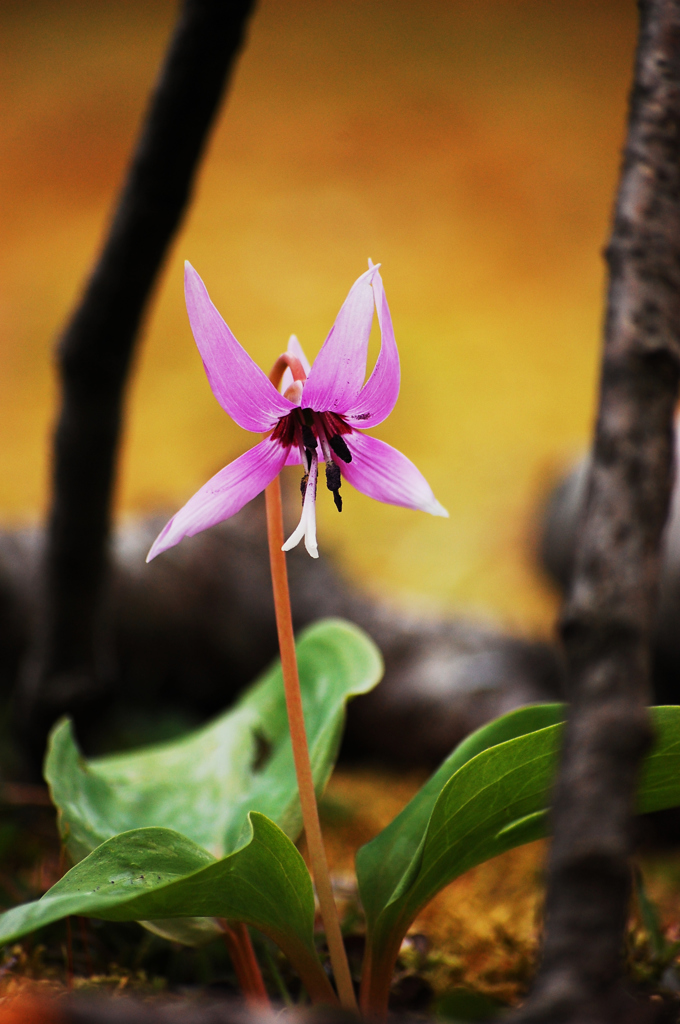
(294, 349)
(224, 495)
(238, 384)
(338, 372)
(383, 473)
(380, 392)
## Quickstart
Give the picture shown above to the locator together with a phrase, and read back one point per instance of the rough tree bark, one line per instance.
(607, 618)
(96, 350)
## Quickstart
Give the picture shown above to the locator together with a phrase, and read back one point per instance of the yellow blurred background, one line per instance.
(472, 148)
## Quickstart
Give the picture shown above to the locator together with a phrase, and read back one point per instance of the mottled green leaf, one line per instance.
(156, 873)
(204, 784)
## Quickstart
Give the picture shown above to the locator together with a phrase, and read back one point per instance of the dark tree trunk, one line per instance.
(607, 619)
(71, 649)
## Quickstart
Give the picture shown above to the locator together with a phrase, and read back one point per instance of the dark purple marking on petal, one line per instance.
(286, 430)
(334, 424)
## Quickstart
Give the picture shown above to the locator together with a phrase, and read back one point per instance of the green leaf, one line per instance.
(156, 873)
(204, 784)
(491, 795)
(388, 861)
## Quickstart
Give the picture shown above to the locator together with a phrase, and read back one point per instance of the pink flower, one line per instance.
(316, 419)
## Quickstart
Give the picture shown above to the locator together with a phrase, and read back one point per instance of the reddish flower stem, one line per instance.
(237, 941)
(298, 735)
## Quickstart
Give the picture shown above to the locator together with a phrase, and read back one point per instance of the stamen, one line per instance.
(333, 481)
(307, 526)
(308, 438)
(333, 477)
(339, 446)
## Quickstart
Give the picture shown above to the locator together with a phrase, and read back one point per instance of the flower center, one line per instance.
(307, 430)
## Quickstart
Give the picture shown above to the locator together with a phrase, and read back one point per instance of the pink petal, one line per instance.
(238, 384)
(294, 457)
(294, 349)
(338, 371)
(224, 495)
(380, 392)
(383, 473)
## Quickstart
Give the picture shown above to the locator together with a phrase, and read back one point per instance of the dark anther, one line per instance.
(303, 485)
(333, 478)
(338, 445)
(333, 481)
(308, 438)
(309, 453)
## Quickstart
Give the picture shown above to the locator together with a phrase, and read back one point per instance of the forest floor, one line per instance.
(472, 950)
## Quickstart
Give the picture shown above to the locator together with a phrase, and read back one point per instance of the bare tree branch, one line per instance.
(96, 349)
(607, 619)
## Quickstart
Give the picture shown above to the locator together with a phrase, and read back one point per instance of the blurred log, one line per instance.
(606, 623)
(197, 624)
(71, 647)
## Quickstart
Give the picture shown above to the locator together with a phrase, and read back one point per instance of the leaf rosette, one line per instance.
(203, 827)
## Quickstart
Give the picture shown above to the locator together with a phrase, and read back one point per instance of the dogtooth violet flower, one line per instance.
(315, 418)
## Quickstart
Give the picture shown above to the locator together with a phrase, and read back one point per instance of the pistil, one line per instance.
(307, 526)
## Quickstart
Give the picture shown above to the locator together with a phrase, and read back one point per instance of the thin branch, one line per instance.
(97, 346)
(606, 622)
